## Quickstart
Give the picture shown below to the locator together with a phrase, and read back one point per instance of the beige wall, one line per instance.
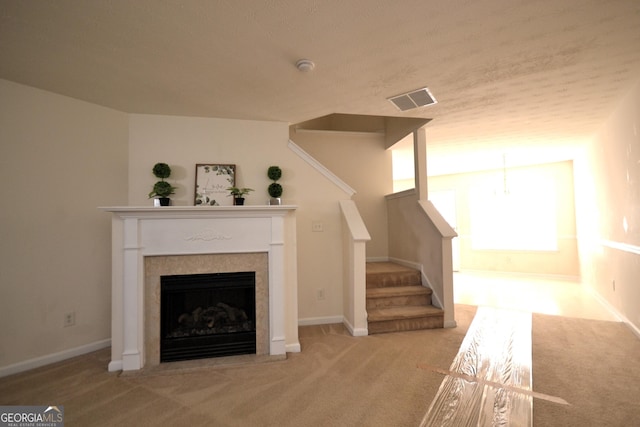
(361, 161)
(61, 158)
(252, 146)
(563, 262)
(412, 236)
(608, 198)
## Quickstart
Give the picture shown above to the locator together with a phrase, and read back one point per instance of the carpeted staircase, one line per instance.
(397, 301)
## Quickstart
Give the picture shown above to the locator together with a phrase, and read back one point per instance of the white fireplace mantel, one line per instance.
(138, 232)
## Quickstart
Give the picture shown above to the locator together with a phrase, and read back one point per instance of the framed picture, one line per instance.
(212, 181)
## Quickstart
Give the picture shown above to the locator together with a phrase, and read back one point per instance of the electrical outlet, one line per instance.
(320, 294)
(317, 226)
(70, 319)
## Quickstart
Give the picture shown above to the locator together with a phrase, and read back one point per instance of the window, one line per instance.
(514, 211)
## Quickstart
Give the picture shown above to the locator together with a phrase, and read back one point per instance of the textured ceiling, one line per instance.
(532, 71)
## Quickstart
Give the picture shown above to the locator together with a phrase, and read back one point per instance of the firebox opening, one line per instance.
(207, 315)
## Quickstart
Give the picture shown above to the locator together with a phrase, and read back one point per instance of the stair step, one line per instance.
(398, 296)
(396, 319)
(386, 274)
(398, 313)
(397, 291)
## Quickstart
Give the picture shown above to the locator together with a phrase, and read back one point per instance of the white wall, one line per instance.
(252, 146)
(608, 210)
(60, 159)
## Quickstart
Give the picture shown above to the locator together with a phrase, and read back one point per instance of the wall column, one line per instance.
(420, 162)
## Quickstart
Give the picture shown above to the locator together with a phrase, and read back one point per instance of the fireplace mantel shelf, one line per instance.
(172, 211)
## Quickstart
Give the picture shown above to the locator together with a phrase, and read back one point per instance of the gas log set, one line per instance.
(219, 319)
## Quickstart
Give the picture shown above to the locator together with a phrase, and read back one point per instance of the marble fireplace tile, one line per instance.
(157, 266)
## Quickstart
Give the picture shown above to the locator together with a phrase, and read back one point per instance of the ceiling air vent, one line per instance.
(414, 99)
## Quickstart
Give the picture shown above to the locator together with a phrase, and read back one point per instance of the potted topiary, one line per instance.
(238, 194)
(275, 190)
(162, 189)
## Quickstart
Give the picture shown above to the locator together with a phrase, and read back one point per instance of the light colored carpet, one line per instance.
(339, 380)
(594, 365)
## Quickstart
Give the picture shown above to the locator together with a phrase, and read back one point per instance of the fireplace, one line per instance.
(207, 315)
(149, 243)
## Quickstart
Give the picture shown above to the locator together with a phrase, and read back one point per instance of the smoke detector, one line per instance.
(414, 99)
(305, 65)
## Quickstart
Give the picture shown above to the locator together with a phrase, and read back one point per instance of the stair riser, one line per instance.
(398, 301)
(391, 280)
(431, 322)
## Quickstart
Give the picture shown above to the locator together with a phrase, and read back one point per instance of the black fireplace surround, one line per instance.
(207, 315)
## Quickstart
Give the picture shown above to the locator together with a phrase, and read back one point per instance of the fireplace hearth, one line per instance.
(207, 315)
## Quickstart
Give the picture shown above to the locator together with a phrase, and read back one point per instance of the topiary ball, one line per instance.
(274, 173)
(163, 189)
(275, 190)
(161, 170)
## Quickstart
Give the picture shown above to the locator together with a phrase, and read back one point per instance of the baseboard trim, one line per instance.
(614, 312)
(310, 321)
(37, 362)
(405, 263)
(450, 324)
(435, 298)
(378, 259)
(115, 366)
(356, 332)
(633, 328)
(360, 332)
(293, 348)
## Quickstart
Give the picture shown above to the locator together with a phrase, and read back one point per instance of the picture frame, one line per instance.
(212, 181)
